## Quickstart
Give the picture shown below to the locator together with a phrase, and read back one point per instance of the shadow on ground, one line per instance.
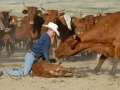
(80, 57)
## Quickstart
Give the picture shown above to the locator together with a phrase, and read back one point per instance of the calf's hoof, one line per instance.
(59, 62)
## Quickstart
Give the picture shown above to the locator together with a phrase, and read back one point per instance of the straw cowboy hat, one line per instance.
(52, 26)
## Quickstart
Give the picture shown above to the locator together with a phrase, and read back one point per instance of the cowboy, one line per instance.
(40, 49)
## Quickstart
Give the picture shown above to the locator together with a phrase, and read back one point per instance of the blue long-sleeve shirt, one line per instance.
(42, 47)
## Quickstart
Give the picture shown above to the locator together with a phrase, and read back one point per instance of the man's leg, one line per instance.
(29, 61)
(18, 72)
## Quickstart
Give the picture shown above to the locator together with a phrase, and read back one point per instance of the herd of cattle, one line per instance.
(99, 34)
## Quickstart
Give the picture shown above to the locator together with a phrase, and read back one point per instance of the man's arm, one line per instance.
(45, 48)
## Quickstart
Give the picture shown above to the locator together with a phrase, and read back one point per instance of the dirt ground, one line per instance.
(101, 81)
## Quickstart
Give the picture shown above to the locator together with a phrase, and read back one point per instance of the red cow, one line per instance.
(102, 38)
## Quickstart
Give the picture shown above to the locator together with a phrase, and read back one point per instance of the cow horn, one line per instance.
(43, 9)
(101, 11)
(24, 5)
(62, 10)
(76, 38)
(39, 6)
(81, 14)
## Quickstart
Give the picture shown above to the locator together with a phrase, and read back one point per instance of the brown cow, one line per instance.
(30, 26)
(5, 20)
(48, 70)
(4, 29)
(63, 22)
(80, 25)
(51, 17)
(102, 38)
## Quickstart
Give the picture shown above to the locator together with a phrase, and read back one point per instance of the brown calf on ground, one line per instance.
(48, 70)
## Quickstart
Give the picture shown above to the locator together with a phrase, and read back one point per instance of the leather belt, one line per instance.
(33, 54)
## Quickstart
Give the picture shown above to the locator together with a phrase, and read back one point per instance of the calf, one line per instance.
(48, 70)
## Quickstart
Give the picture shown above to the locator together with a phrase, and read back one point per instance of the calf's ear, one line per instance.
(24, 11)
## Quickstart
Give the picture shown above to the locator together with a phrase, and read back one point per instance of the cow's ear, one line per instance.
(82, 20)
(73, 19)
(73, 44)
(25, 11)
(61, 14)
(76, 37)
(39, 12)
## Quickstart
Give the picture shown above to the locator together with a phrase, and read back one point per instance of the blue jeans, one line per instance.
(29, 61)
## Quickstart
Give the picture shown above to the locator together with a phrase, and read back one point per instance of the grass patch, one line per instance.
(70, 6)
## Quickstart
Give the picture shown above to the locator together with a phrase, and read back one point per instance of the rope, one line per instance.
(20, 77)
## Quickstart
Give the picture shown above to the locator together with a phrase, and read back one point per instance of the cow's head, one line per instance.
(4, 16)
(13, 20)
(32, 12)
(79, 25)
(67, 18)
(68, 47)
(52, 15)
(89, 21)
(2, 26)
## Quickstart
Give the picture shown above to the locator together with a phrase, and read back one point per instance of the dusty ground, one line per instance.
(101, 81)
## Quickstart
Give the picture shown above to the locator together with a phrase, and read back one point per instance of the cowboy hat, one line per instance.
(52, 26)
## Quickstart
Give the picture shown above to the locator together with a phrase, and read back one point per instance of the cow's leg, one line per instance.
(11, 45)
(58, 61)
(0, 49)
(30, 45)
(89, 54)
(24, 44)
(27, 46)
(4, 48)
(20, 45)
(7, 48)
(113, 70)
(101, 61)
(2, 45)
(51, 52)
(98, 56)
